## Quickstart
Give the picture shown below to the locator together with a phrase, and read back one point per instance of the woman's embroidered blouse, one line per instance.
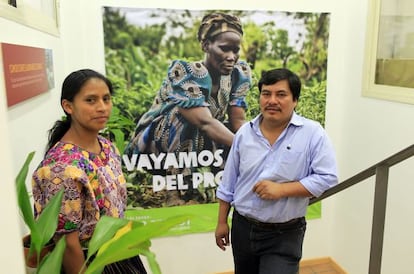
(94, 185)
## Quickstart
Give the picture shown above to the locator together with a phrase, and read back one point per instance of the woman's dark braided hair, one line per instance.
(71, 86)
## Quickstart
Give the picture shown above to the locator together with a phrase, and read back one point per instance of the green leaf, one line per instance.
(152, 261)
(52, 263)
(42, 230)
(47, 221)
(105, 229)
(23, 198)
(133, 242)
(119, 139)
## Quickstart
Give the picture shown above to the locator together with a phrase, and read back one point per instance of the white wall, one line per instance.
(12, 257)
(363, 130)
(371, 130)
(23, 129)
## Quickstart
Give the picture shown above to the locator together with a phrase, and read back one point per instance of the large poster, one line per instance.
(142, 47)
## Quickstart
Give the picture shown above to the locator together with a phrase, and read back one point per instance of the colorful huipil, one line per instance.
(94, 186)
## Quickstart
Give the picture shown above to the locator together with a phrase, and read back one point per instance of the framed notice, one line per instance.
(28, 71)
(38, 14)
(389, 51)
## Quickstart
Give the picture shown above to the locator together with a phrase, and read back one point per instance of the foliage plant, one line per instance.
(117, 239)
(42, 229)
(113, 240)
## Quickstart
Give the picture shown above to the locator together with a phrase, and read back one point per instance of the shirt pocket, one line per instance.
(292, 165)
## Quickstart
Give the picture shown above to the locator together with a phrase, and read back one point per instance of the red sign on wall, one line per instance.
(28, 71)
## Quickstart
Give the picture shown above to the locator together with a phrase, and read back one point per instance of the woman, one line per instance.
(197, 99)
(86, 165)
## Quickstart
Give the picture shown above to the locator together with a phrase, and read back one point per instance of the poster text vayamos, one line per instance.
(166, 161)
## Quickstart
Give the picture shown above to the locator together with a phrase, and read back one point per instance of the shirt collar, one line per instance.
(295, 120)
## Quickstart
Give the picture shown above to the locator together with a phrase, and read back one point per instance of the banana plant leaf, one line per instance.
(152, 261)
(52, 263)
(132, 240)
(105, 229)
(41, 230)
(23, 198)
(47, 222)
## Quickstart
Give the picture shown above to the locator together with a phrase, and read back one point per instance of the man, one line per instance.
(276, 163)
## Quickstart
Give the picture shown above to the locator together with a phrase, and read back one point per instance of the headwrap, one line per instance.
(216, 23)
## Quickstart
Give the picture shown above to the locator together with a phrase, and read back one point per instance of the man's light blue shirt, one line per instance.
(303, 152)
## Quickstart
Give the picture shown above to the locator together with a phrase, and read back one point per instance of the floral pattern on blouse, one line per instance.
(94, 185)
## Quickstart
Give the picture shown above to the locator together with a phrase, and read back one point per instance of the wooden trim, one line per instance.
(309, 263)
(323, 260)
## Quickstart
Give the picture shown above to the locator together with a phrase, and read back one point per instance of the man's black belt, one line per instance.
(257, 223)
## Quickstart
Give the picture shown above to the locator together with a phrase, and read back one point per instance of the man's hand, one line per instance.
(222, 235)
(269, 190)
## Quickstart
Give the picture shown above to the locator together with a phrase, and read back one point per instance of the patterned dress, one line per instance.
(188, 84)
(94, 186)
